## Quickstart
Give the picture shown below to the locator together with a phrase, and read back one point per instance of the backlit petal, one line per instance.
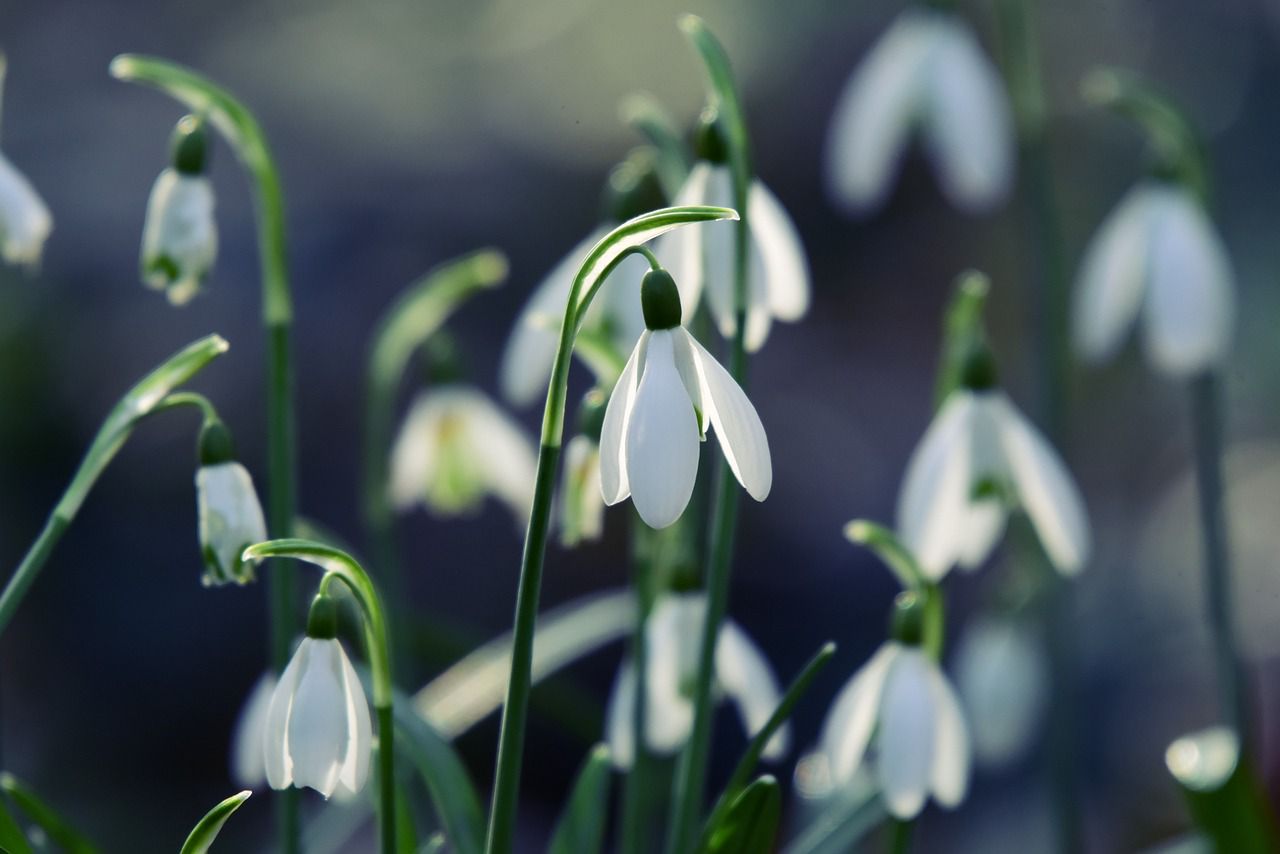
(359, 736)
(614, 486)
(275, 736)
(661, 442)
(317, 730)
(950, 776)
(786, 270)
(620, 718)
(853, 715)
(933, 506)
(907, 738)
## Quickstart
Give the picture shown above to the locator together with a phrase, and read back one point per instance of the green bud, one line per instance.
(709, 142)
(634, 187)
(441, 359)
(215, 445)
(322, 619)
(978, 373)
(906, 624)
(189, 148)
(591, 414)
(660, 299)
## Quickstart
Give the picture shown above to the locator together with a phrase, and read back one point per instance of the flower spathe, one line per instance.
(317, 730)
(702, 259)
(454, 448)
(230, 518)
(927, 72)
(581, 505)
(649, 444)
(1002, 674)
(979, 457)
(672, 634)
(921, 741)
(179, 237)
(1157, 257)
(25, 221)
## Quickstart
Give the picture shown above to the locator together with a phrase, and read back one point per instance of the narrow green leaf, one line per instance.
(54, 826)
(962, 331)
(750, 825)
(207, 829)
(724, 99)
(12, 839)
(581, 826)
(838, 829)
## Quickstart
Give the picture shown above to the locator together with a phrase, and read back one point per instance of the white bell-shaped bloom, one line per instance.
(25, 221)
(979, 457)
(317, 732)
(248, 766)
(1157, 256)
(581, 504)
(230, 519)
(927, 71)
(673, 635)
(179, 238)
(454, 448)
(649, 444)
(702, 259)
(1002, 674)
(921, 742)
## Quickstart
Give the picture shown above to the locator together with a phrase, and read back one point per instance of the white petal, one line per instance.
(581, 507)
(719, 247)
(673, 635)
(614, 486)
(738, 428)
(247, 766)
(229, 518)
(853, 715)
(504, 454)
(25, 222)
(1109, 289)
(983, 528)
(950, 776)
(1045, 490)
(1190, 299)
(744, 675)
(786, 270)
(620, 718)
(968, 128)
(934, 503)
(873, 117)
(415, 453)
(661, 444)
(276, 753)
(1002, 674)
(907, 739)
(317, 731)
(359, 737)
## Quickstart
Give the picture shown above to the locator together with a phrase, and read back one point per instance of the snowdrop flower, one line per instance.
(1157, 256)
(581, 505)
(179, 237)
(1002, 673)
(702, 259)
(456, 447)
(926, 72)
(672, 635)
(979, 457)
(227, 509)
(901, 700)
(248, 766)
(317, 730)
(669, 390)
(25, 221)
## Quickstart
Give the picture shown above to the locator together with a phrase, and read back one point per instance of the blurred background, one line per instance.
(411, 132)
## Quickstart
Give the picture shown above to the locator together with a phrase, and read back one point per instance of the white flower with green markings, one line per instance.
(25, 221)
(179, 236)
(228, 511)
(1002, 673)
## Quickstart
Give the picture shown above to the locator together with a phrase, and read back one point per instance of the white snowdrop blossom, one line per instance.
(581, 504)
(979, 458)
(1002, 674)
(317, 730)
(670, 389)
(179, 237)
(673, 634)
(1158, 257)
(230, 519)
(248, 766)
(926, 72)
(921, 744)
(702, 259)
(454, 448)
(25, 221)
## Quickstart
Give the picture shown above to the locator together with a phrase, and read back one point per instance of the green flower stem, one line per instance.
(144, 398)
(1206, 420)
(600, 261)
(640, 782)
(340, 566)
(900, 835)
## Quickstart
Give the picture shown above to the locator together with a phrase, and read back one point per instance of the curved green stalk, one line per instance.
(600, 261)
(338, 565)
(144, 398)
(241, 130)
(692, 770)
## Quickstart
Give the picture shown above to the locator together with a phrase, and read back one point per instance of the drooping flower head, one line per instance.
(25, 221)
(669, 391)
(227, 508)
(581, 504)
(1002, 673)
(672, 635)
(926, 73)
(179, 237)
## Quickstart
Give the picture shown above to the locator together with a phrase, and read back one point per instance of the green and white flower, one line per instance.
(1002, 674)
(179, 237)
(230, 518)
(927, 72)
(25, 221)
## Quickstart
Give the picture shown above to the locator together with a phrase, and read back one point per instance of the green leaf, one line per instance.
(643, 113)
(54, 826)
(12, 839)
(581, 826)
(750, 825)
(406, 830)
(207, 829)
(840, 826)
(962, 331)
(724, 100)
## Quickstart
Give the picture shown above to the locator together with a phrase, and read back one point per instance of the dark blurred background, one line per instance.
(408, 133)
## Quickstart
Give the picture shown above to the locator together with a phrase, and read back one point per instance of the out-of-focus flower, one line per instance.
(179, 237)
(649, 443)
(581, 504)
(1157, 256)
(673, 634)
(921, 743)
(1002, 675)
(454, 448)
(979, 458)
(25, 221)
(228, 512)
(926, 72)
(248, 766)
